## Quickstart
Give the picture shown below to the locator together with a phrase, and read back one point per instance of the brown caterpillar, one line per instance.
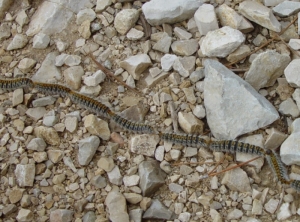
(51, 88)
(184, 139)
(12, 84)
(90, 104)
(132, 126)
(277, 167)
(233, 146)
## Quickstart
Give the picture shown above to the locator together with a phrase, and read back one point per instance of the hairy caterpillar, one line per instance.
(132, 126)
(184, 139)
(233, 146)
(52, 88)
(277, 167)
(90, 104)
(295, 184)
(11, 84)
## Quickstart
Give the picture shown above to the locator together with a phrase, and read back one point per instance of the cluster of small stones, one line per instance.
(59, 162)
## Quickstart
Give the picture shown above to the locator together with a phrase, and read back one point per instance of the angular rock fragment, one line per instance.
(185, 47)
(158, 211)
(259, 14)
(144, 144)
(86, 149)
(125, 20)
(291, 73)
(206, 19)
(151, 177)
(158, 12)
(221, 42)
(61, 215)
(233, 107)
(286, 8)
(237, 180)
(266, 68)
(25, 174)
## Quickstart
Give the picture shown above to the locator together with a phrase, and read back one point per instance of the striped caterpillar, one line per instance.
(12, 84)
(295, 184)
(277, 167)
(52, 88)
(184, 139)
(90, 104)
(132, 126)
(233, 146)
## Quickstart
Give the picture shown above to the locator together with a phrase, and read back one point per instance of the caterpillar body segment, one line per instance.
(295, 184)
(185, 139)
(233, 146)
(12, 84)
(51, 88)
(90, 104)
(277, 167)
(130, 126)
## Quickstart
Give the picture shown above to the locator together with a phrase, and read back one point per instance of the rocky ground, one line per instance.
(190, 62)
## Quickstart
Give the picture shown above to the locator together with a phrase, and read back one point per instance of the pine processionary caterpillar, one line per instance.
(277, 167)
(11, 84)
(51, 88)
(184, 139)
(295, 184)
(233, 146)
(132, 126)
(90, 104)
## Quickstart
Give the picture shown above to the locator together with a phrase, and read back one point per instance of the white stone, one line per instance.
(185, 65)
(52, 17)
(206, 19)
(26, 64)
(199, 111)
(232, 106)
(286, 8)
(274, 139)
(266, 68)
(22, 18)
(271, 205)
(136, 65)
(229, 17)
(61, 46)
(116, 206)
(185, 47)
(272, 2)
(125, 20)
(189, 123)
(158, 12)
(182, 34)
(284, 212)
(132, 180)
(144, 144)
(221, 42)
(72, 60)
(115, 176)
(259, 14)
(167, 62)
(85, 14)
(18, 42)
(60, 59)
(288, 107)
(291, 73)
(102, 5)
(237, 180)
(163, 44)
(86, 149)
(134, 34)
(159, 153)
(94, 80)
(294, 44)
(41, 41)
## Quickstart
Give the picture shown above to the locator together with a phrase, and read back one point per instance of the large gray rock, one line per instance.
(290, 148)
(286, 8)
(266, 68)
(259, 14)
(158, 12)
(86, 149)
(116, 205)
(158, 211)
(233, 107)
(151, 177)
(52, 17)
(221, 42)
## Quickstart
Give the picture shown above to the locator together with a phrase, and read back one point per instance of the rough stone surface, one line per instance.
(259, 14)
(189, 123)
(290, 73)
(49, 135)
(125, 20)
(229, 17)
(206, 19)
(221, 42)
(25, 174)
(170, 11)
(61, 215)
(41, 41)
(158, 211)
(266, 68)
(136, 65)
(117, 208)
(144, 144)
(18, 42)
(86, 149)
(228, 100)
(286, 8)
(185, 47)
(151, 177)
(97, 126)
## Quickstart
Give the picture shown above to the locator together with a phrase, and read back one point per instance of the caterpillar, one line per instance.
(132, 126)
(233, 146)
(277, 167)
(12, 84)
(51, 88)
(184, 139)
(90, 104)
(295, 184)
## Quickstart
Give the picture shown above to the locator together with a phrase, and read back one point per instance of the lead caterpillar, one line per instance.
(12, 84)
